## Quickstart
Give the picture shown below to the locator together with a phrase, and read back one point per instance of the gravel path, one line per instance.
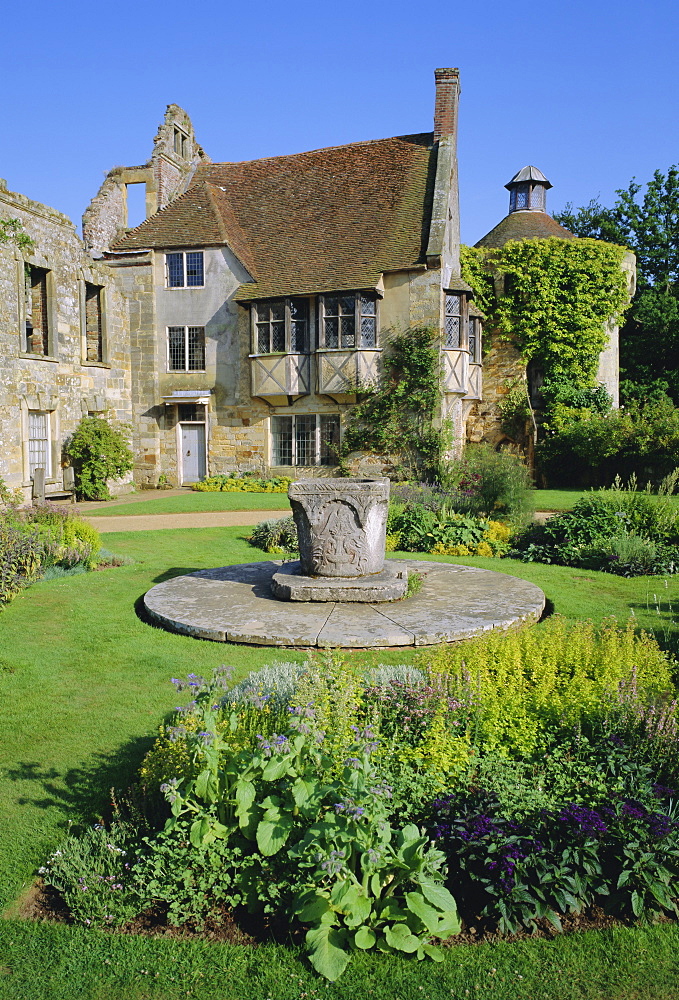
(155, 522)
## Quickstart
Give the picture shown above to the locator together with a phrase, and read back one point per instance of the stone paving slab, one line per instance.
(235, 604)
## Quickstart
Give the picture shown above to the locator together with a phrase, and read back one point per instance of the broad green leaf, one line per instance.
(438, 895)
(271, 836)
(202, 785)
(433, 952)
(275, 769)
(637, 904)
(327, 954)
(199, 830)
(314, 909)
(400, 937)
(429, 915)
(392, 911)
(301, 791)
(365, 938)
(375, 884)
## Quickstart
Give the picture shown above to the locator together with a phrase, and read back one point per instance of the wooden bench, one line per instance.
(39, 491)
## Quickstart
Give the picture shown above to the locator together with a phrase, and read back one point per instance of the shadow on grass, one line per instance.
(82, 792)
(548, 609)
(173, 571)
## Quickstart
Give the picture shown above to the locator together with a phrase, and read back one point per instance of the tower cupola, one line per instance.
(527, 191)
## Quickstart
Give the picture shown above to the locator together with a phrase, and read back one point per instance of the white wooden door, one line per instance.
(193, 452)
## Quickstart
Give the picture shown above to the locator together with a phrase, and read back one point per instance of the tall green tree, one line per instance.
(647, 221)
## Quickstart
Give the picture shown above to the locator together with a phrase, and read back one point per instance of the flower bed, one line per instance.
(508, 780)
(245, 483)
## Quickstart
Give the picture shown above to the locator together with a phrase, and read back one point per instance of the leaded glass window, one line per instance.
(475, 340)
(453, 321)
(282, 326)
(186, 348)
(305, 439)
(39, 451)
(349, 321)
(184, 270)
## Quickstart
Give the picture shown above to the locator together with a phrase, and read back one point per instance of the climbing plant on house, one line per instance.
(399, 415)
(558, 297)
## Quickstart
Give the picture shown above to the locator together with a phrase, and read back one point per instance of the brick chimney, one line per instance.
(447, 96)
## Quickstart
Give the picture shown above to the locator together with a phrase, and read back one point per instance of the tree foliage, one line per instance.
(647, 221)
(99, 452)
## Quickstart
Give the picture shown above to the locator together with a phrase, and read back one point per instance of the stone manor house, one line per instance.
(232, 328)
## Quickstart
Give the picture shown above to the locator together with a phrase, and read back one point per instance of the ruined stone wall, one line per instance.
(62, 381)
(166, 175)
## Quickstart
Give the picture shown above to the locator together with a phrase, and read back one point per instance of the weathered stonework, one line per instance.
(63, 382)
(235, 604)
(341, 525)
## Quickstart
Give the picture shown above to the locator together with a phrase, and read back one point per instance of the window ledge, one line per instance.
(37, 357)
(186, 371)
(281, 354)
(95, 364)
(347, 350)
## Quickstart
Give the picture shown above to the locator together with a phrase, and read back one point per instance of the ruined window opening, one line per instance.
(39, 447)
(349, 321)
(186, 348)
(185, 269)
(136, 204)
(305, 439)
(37, 314)
(454, 326)
(93, 323)
(181, 143)
(281, 326)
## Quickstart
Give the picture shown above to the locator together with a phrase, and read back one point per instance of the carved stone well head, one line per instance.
(341, 525)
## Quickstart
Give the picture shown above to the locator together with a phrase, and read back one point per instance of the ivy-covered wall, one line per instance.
(557, 303)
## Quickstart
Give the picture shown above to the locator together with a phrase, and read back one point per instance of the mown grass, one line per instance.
(193, 503)
(84, 683)
(560, 500)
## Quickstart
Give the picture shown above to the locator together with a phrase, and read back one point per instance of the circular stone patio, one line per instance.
(235, 604)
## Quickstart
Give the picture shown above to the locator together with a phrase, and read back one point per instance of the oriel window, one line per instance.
(281, 326)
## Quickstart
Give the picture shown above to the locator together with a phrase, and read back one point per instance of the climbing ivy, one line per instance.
(12, 231)
(558, 297)
(398, 416)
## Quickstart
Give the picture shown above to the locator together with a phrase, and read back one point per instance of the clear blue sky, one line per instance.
(586, 91)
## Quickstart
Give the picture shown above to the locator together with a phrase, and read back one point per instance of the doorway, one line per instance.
(193, 465)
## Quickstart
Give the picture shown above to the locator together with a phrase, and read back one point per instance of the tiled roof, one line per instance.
(524, 226)
(327, 220)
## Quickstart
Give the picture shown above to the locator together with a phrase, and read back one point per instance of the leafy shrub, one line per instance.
(41, 538)
(623, 855)
(307, 790)
(526, 683)
(92, 872)
(242, 483)
(489, 482)
(621, 531)
(20, 553)
(277, 536)
(99, 452)
(591, 448)
(413, 528)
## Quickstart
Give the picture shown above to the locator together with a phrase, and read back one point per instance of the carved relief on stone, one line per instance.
(341, 525)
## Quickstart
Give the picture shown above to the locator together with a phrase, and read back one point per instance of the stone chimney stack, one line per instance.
(447, 97)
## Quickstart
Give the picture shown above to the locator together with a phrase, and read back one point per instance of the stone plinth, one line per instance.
(235, 604)
(288, 584)
(341, 525)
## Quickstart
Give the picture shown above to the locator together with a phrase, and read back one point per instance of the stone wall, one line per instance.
(62, 382)
(166, 175)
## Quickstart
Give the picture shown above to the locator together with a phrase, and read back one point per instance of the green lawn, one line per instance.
(192, 503)
(559, 500)
(84, 683)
